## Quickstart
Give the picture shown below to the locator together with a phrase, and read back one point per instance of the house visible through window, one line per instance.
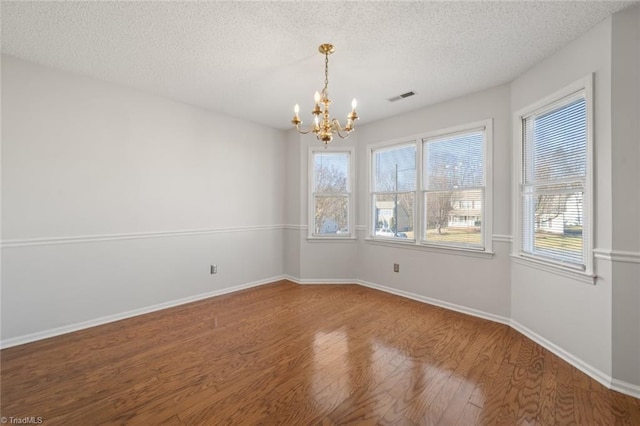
(393, 195)
(453, 188)
(553, 189)
(449, 207)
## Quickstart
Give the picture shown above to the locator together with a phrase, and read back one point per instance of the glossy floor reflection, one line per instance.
(288, 354)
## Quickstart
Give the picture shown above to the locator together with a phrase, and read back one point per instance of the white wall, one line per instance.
(426, 275)
(318, 260)
(598, 326)
(481, 284)
(294, 222)
(626, 195)
(97, 180)
(573, 315)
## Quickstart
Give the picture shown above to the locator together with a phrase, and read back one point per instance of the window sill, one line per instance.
(412, 245)
(346, 239)
(560, 270)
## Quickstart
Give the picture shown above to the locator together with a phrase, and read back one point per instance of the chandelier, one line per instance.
(324, 126)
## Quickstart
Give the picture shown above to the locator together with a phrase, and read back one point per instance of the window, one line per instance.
(449, 208)
(331, 193)
(554, 188)
(453, 189)
(393, 195)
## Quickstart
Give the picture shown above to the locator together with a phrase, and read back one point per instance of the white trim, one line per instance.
(436, 135)
(566, 272)
(441, 249)
(625, 388)
(591, 371)
(296, 227)
(28, 242)
(437, 302)
(350, 239)
(391, 144)
(617, 255)
(487, 207)
(19, 340)
(502, 238)
(321, 281)
(598, 375)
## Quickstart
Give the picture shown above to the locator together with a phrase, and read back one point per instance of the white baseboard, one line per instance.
(14, 341)
(437, 302)
(319, 281)
(601, 377)
(625, 388)
(596, 374)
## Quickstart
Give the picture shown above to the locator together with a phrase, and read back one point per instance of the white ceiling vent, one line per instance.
(404, 95)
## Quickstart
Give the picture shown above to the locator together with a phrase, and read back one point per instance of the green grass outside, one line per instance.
(455, 235)
(545, 240)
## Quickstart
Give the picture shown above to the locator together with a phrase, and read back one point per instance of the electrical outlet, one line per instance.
(396, 267)
(214, 269)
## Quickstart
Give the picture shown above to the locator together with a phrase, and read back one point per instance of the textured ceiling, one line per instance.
(257, 59)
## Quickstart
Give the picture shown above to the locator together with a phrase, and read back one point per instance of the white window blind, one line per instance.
(554, 172)
(454, 189)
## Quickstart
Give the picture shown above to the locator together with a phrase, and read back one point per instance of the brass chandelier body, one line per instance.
(324, 126)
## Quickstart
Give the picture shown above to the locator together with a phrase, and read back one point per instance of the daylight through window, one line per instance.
(331, 188)
(554, 173)
(433, 192)
(393, 196)
(453, 186)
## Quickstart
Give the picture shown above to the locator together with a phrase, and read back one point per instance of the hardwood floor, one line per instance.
(295, 355)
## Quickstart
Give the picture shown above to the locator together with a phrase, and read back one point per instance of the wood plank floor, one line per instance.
(302, 355)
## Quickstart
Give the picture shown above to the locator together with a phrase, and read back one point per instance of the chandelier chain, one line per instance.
(326, 73)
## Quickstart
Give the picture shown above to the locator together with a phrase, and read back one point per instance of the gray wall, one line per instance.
(115, 201)
(625, 181)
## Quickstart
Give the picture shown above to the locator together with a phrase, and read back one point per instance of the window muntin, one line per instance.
(331, 194)
(393, 195)
(454, 189)
(553, 210)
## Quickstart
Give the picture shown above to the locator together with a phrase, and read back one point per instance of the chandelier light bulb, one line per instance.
(354, 103)
(296, 109)
(316, 97)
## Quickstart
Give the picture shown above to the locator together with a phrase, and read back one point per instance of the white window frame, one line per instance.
(419, 241)
(487, 203)
(351, 235)
(581, 87)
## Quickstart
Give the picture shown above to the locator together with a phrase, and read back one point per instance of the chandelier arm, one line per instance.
(338, 128)
(343, 136)
(302, 132)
